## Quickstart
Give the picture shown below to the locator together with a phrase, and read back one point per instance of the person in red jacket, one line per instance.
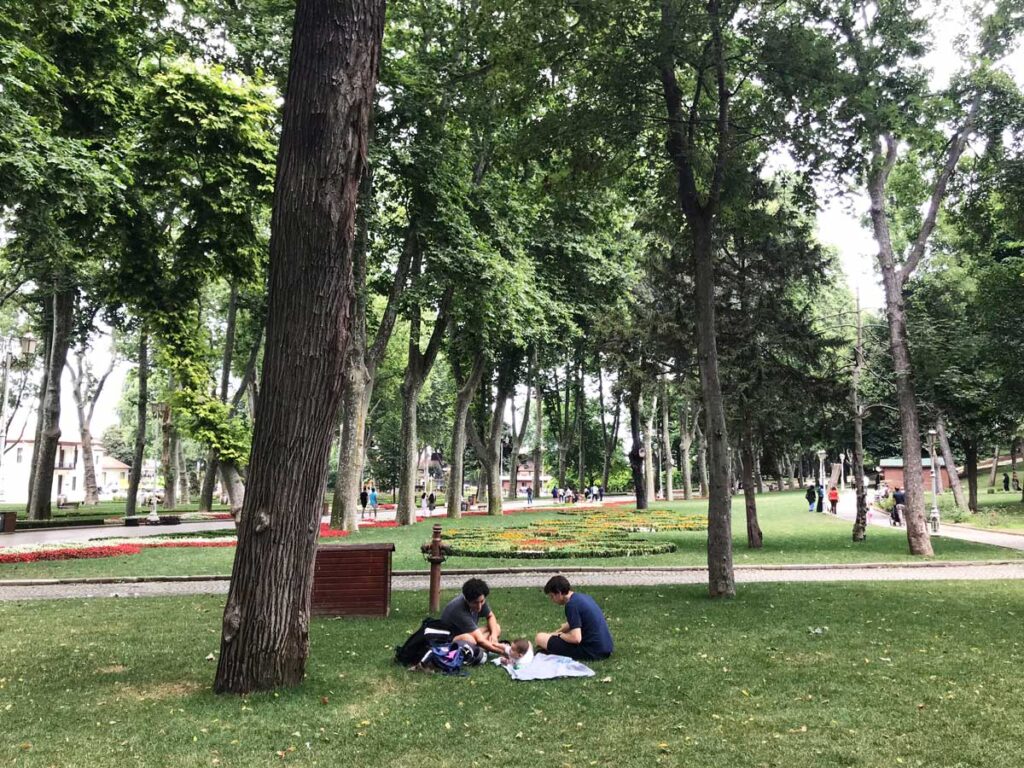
(833, 498)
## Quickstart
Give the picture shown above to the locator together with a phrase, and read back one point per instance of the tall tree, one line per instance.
(331, 81)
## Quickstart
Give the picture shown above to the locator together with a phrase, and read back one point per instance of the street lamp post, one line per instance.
(821, 468)
(28, 347)
(934, 517)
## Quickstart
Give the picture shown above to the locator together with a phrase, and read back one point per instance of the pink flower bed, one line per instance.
(70, 553)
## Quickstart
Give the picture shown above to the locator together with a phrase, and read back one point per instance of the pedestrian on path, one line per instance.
(833, 499)
(373, 502)
(529, 495)
(820, 490)
(363, 498)
(811, 497)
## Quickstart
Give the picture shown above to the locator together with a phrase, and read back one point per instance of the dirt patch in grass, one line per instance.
(113, 669)
(158, 692)
(377, 691)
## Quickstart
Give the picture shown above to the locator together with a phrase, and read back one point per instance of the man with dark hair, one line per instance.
(464, 612)
(584, 635)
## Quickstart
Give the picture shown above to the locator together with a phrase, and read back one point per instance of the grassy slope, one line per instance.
(996, 510)
(792, 535)
(904, 674)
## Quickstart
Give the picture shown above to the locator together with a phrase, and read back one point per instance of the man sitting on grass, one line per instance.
(464, 612)
(584, 635)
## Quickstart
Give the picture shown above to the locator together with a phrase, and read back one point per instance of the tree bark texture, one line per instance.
(141, 413)
(666, 451)
(345, 508)
(416, 371)
(86, 390)
(649, 468)
(700, 211)
(702, 461)
(168, 459)
(184, 491)
(994, 471)
(971, 462)
(686, 437)
(331, 85)
(950, 462)
(636, 450)
(910, 432)
(465, 392)
(538, 448)
(45, 451)
(755, 539)
(209, 482)
(518, 437)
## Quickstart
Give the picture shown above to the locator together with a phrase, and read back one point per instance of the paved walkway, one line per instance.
(11, 591)
(848, 512)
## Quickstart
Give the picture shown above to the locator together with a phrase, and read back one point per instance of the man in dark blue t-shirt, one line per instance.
(584, 635)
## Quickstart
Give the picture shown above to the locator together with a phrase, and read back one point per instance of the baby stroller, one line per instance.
(896, 515)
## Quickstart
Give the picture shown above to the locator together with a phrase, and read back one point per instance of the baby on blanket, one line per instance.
(518, 654)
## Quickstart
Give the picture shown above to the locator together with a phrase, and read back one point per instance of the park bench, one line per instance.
(352, 580)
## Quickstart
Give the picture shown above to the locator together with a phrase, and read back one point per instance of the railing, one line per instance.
(66, 464)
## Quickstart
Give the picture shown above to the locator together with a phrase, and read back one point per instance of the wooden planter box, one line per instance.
(8, 522)
(352, 580)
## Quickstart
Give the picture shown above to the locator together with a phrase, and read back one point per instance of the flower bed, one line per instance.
(578, 533)
(118, 547)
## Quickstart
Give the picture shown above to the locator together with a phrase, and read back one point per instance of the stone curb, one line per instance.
(536, 570)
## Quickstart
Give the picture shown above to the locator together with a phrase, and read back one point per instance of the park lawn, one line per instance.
(855, 674)
(792, 535)
(1000, 510)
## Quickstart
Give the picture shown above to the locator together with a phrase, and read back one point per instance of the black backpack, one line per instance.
(430, 632)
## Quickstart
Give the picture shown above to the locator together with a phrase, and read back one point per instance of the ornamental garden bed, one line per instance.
(575, 534)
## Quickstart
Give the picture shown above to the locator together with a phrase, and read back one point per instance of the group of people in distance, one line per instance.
(583, 636)
(569, 495)
(816, 498)
(368, 497)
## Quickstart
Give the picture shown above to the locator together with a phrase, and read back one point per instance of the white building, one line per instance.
(68, 474)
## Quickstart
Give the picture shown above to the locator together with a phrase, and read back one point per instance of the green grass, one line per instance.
(865, 675)
(792, 535)
(1000, 510)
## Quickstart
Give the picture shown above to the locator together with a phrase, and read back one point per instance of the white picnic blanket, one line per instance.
(546, 666)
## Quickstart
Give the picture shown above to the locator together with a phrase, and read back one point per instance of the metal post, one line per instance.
(435, 559)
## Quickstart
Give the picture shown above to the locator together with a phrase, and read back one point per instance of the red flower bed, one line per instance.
(169, 544)
(71, 553)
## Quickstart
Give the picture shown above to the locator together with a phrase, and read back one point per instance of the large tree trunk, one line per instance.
(345, 508)
(233, 487)
(755, 539)
(86, 390)
(971, 461)
(950, 462)
(702, 461)
(636, 450)
(486, 441)
(405, 511)
(995, 468)
(686, 436)
(538, 448)
(701, 212)
(141, 411)
(666, 436)
(910, 433)
(209, 482)
(45, 451)
(518, 437)
(466, 391)
(168, 459)
(330, 92)
(649, 470)
(184, 491)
